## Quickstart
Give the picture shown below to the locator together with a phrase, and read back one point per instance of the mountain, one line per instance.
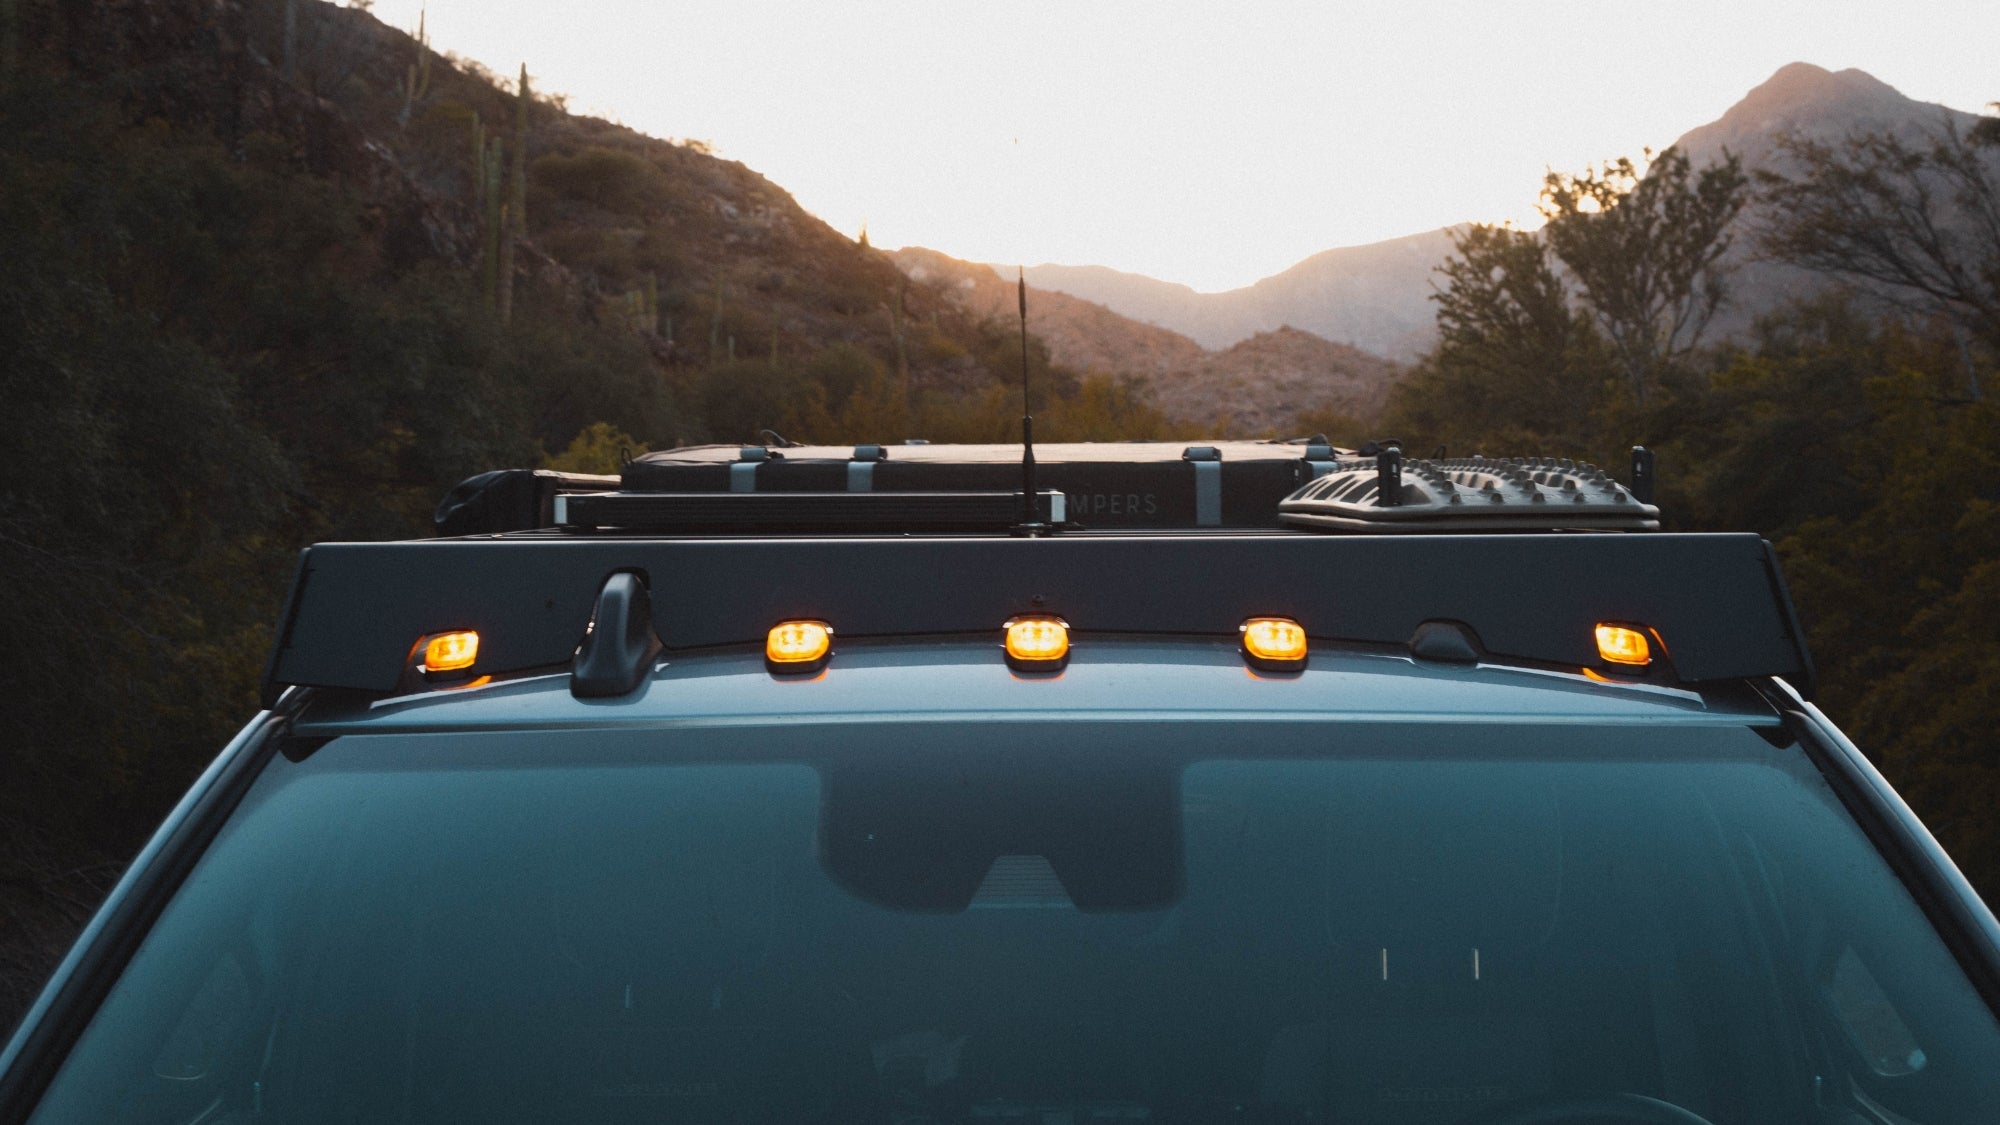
(1811, 103)
(1257, 385)
(1082, 335)
(1815, 103)
(1376, 296)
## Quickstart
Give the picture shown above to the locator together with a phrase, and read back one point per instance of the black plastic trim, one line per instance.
(1961, 918)
(295, 593)
(619, 650)
(50, 1030)
(1805, 681)
(801, 511)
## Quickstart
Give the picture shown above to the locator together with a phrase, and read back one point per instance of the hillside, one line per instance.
(1082, 335)
(1262, 384)
(1377, 296)
(1373, 297)
(263, 289)
(1259, 385)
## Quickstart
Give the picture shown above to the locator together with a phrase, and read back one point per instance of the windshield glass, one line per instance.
(1042, 923)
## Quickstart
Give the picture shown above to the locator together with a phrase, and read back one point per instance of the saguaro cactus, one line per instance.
(10, 41)
(291, 45)
(514, 214)
(493, 217)
(416, 83)
(898, 330)
(478, 165)
(715, 324)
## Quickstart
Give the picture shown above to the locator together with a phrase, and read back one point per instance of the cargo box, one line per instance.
(1106, 484)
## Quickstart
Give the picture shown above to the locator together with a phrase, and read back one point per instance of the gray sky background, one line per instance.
(1211, 144)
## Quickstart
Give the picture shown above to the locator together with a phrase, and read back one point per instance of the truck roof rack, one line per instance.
(1716, 601)
(1306, 485)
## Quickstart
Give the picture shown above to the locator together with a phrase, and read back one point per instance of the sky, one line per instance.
(1209, 144)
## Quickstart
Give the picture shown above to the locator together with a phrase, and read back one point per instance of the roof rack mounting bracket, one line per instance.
(1389, 476)
(1446, 642)
(619, 648)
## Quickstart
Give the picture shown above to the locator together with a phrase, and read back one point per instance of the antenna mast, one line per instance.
(1031, 523)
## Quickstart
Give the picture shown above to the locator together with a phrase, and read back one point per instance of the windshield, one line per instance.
(1050, 924)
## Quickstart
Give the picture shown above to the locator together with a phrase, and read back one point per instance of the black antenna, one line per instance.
(1030, 517)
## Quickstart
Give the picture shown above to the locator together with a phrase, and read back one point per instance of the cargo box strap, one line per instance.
(743, 473)
(1207, 461)
(861, 470)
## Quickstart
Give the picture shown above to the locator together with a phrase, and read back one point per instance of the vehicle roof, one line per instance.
(1107, 679)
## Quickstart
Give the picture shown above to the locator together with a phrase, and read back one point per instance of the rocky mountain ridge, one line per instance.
(1258, 385)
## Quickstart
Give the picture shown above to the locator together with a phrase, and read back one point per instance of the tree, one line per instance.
(1515, 362)
(1646, 249)
(1916, 222)
(1505, 315)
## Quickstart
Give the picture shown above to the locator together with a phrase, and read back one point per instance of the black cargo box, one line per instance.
(1106, 484)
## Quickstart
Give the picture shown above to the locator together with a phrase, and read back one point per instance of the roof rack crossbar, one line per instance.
(857, 511)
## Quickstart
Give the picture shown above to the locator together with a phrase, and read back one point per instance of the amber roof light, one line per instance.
(1274, 644)
(450, 652)
(795, 647)
(1037, 644)
(1624, 645)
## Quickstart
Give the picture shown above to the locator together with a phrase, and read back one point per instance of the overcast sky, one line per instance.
(1210, 144)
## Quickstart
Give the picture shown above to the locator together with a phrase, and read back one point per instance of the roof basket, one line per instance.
(1473, 494)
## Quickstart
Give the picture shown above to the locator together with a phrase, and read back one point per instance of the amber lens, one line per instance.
(1274, 638)
(1037, 640)
(798, 642)
(1623, 644)
(451, 652)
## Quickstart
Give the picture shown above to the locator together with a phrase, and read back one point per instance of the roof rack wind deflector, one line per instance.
(620, 645)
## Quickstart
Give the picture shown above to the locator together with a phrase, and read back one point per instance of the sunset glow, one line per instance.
(1204, 144)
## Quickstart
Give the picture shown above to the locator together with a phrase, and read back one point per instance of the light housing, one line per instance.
(1037, 643)
(1274, 644)
(448, 653)
(1623, 645)
(800, 647)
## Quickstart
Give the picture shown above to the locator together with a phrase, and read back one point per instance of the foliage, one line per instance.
(212, 359)
(1644, 250)
(1844, 441)
(1338, 427)
(1847, 439)
(243, 311)
(1514, 362)
(597, 448)
(1918, 221)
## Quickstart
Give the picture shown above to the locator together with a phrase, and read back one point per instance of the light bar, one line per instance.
(1037, 644)
(1274, 644)
(1623, 644)
(449, 652)
(796, 647)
